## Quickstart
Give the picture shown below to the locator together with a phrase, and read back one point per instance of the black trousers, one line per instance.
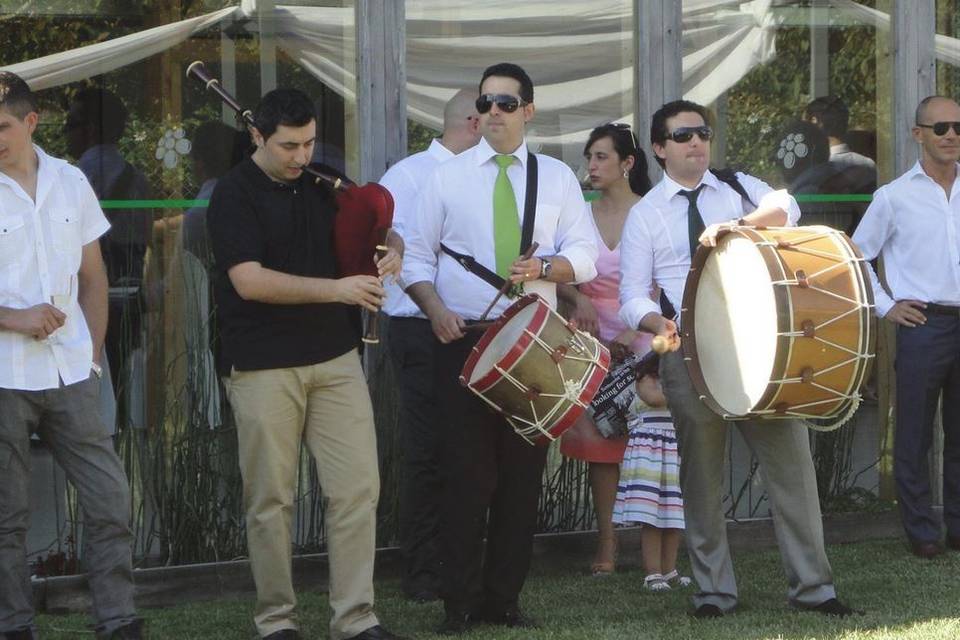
(491, 484)
(412, 346)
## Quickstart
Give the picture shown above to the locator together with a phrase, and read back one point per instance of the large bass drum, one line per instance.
(776, 322)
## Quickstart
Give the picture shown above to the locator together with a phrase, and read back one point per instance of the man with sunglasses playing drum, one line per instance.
(472, 204)
(912, 223)
(690, 205)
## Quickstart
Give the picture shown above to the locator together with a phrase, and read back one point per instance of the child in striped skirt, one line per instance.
(649, 490)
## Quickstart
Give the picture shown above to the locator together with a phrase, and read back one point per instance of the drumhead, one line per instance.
(735, 324)
(508, 335)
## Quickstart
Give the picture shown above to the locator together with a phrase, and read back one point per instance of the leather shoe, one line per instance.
(25, 633)
(130, 631)
(708, 611)
(283, 634)
(512, 618)
(455, 624)
(833, 607)
(376, 632)
(925, 550)
(953, 542)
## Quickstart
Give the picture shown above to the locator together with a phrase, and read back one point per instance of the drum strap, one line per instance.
(526, 231)
(729, 177)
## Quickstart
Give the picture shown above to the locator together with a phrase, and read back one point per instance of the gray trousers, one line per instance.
(69, 423)
(783, 449)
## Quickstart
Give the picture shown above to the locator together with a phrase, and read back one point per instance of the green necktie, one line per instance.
(506, 222)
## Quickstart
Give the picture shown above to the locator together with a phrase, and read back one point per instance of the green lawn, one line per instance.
(903, 598)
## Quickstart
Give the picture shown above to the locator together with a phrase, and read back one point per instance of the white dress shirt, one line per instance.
(404, 181)
(41, 245)
(456, 208)
(655, 248)
(913, 226)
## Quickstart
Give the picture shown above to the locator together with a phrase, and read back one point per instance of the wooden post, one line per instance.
(381, 85)
(657, 65)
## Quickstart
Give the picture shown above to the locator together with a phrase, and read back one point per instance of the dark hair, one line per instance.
(510, 70)
(625, 144)
(15, 95)
(215, 144)
(831, 113)
(287, 107)
(658, 124)
(101, 108)
(800, 147)
(649, 365)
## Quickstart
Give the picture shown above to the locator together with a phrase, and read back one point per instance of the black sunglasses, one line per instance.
(504, 101)
(622, 126)
(685, 134)
(941, 128)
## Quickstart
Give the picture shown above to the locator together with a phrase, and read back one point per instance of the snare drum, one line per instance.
(535, 370)
(776, 323)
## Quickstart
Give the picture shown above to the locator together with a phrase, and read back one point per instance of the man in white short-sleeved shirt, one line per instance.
(53, 316)
(412, 346)
(690, 206)
(914, 223)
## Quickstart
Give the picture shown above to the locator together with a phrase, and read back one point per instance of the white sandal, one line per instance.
(655, 582)
(674, 576)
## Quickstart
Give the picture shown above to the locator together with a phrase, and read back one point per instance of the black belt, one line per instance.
(942, 309)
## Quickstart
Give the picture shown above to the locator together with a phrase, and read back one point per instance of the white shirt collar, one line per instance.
(483, 152)
(439, 152)
(671, 187)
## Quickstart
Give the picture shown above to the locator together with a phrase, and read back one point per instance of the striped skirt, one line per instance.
(649, 488)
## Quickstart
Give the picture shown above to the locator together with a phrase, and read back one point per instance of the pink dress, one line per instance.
(582, 440)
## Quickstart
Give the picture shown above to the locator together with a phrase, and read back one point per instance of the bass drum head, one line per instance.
(735, 324)
(508, 335)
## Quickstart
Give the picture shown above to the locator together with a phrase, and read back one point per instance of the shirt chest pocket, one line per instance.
(13, 238)
(65, 231)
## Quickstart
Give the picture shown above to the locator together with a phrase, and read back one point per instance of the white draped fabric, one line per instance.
(581, 60)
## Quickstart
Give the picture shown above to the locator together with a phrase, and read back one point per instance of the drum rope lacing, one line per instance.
(572, 389)
(856, 307)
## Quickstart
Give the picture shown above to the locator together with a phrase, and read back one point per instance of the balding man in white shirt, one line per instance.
(412, 346)
(53, 317)
(914, 224)
(659, 237)
(471, 205)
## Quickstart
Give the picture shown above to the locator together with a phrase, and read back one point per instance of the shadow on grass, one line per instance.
(903, 598)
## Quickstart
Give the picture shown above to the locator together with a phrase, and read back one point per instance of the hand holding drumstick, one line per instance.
(665, 333)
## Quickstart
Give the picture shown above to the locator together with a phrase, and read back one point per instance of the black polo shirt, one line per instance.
(286, 228)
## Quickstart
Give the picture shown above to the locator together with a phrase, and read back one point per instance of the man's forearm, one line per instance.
(425, 296)
(256, 283)
(395, 242)
(5, 313)
(561, 271)
(767, 217)
(92, 297)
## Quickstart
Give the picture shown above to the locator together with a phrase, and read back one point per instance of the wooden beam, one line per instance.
(914, 67)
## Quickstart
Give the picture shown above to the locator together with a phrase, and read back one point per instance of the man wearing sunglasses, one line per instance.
(913, 224)
(472, 205)
(659, 238)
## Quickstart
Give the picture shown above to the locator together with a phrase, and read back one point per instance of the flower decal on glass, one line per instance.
(171, 146)
(791, 148)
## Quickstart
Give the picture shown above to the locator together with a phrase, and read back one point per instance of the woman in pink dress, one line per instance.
(618, 170)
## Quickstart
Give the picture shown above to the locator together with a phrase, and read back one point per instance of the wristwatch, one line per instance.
(97, 369)
(545, 268)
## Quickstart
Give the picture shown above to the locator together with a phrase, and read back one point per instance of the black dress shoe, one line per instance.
(130, 631)
(512, 618)
(19, 634)
(925, 550)
(283, 634)
(834, 607)
(953, 542)
(376, 632)
(455, 624)
(708, 611)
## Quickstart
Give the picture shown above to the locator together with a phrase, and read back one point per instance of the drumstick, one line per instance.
(506, 285)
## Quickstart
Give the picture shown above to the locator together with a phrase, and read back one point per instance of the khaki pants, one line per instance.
(327, 406)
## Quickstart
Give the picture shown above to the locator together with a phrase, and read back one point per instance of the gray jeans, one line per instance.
(783, 449)
(69, 423)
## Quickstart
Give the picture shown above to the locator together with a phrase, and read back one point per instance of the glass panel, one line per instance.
(580, 61)
(795, 87)
(948, 48)
(153, 144)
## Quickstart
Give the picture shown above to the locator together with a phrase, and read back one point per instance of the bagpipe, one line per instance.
(364, 212)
